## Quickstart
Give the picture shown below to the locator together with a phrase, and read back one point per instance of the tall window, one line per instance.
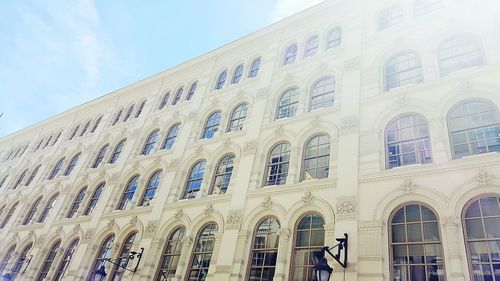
(5, 260)
(423, 7)
(32, 176)
(48, 261)
(322, 93)
(223, 174)
(128, 113)
(20, 179)
(100, 156)
(474, 128)
(73, 134)
(415, 241)
(277, 165)
(288, 103)
(32, 211)
(47, 142)
(202, 253)
(116, 153)
(221, 80)
(407, 141)
(481, 221)
(48, 207)
(178, 96)
(193, 183)
(389, 17)
(94, 199)
(117, 116)
(65, 261)
(103, 254)
(312, 46)
(117, 272)
(56, 138)
(290, 54)
(402, 69)
(265, 250)
(9, 215)
(76, 203)
(254, 68)
(96, 124)
(459, 53)
(150, 142)
(57, 169)
(72, 164)
(334, 38)
(309, 238)
(21, 260)
(171, 255)
(192, 90)
(128, 193)
(317, 158)
(139, 110)
(84, 130)
(150, 190)
(3, 180)
(237, 118)
(212, 125)
(171, 136)
(164, 100)
(238, 73)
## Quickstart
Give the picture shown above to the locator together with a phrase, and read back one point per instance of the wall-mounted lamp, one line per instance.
(100, 273)
(321, 268)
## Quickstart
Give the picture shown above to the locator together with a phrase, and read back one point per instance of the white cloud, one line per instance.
(285, 8)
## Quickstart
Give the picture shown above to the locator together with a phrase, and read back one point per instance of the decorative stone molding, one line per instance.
(87, 236)
(352, 64)
(59, 230)
(179, 214)
(151, 228)
(347, 209)
(222, 269)
(192, 116)
(173, 165)
(76, 229)
(483, 177)
(308, 198)
(187, 241)
(351, 267)
(284, 233)
(315, 122)
(209, 210)
(349, 125)
(111, 223)
(279, 131)
(267, 203)
(233, 220)
(408, 186)
(227, 141)
(134, 220)
(250, 147)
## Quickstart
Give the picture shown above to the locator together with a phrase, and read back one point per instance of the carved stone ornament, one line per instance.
(187, 241)
(192, 115)
(484, 178)
(151, 227)
(346, 209)
(173, 164)
(110, 223)
(59, 230)
(77, 228)
(308, 198)
(267, 203)
(352, 64)
(179, 214)
(209, 209)
(227, 141)
(348, 125)
(279, 131)
(233, 220)
(115, 246)
(133, 220)
(87, 236)
(198, 150)
(408, 186)
(250, 147)
(284, 232)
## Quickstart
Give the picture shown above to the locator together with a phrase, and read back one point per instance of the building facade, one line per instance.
(379, 119)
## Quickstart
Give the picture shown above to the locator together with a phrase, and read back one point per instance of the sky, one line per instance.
(55, 54)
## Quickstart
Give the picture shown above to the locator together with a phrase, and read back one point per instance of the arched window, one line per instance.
(139, 110)
(474, 128)
(123, 258)
(150, 190)
(103, 254)
(96, 124)
(76, 203)
(309, 238)
(85, 128)
(57, 138)
(3, 180)
(288, 103)
(21, 260)
(94, 199)
(322, 93)
(128, 113)
(32, 211)
(32, 176)
(238, 73)
(265, 250)
(460, 52)
(46, 142)
(150, 142)
(389, 17)
(481, 220)
(334, 38)
(48, 207)
(65, 260)
(116, 153)
(202, 253)
(316, 158)
(164, 100)
(171, 255)
(9, 215)
(117, 117)
(290, 54)
(178, 96)
(415, 245)
(312, 46)
(423, 7)
(194, 180)
(72, 164)
(128, 193)
(192, 90)
(222, 176)
(20, 179)
(212, 125)
(402, 69)
(171, 136)
(57, 169)
(237, 118)
(277, 164)
(6, 258)
(100, 156)
(73, 134)
(51, 256)
(254, 68)
(221, 80)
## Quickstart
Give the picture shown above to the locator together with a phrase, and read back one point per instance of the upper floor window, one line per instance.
(277, 164)
(72, 164)
(238, 73)
(96, 124)
(171, 255)
(9, 215)
(94, 199)
(202, 253)
(48, 207)
(222, 176)
(192, 90)
(76, 203)
(290, 54)
(139, 110)
(402, 69)
(288, 103)
(423, 7)
(474, 128)
(20, 179)
(100, 156)
(21, 260)
(334, 38)
(237, 118)
(123, 258)
(322, 93)
(390, 16)
(51, 256)
(317, 158)
(73, 133)
(103, 254)
(150, 142)
(47, 142)
(128, 193)
(178, 96)
(32, 211)
(56, 138)
(32, 176)
(128, 113)
(254, 68)
(6, 258)
(193, 183)
(264, 253)
(312, 46)
(221, 80)
(212, 125)
(117, 117)
(164, 100)
(57, 169)
(116, 153)
(459, 53)
(171, 136)
(68, 255)
(407, 141)
(3, 180)
(84, 130)
(151, 187)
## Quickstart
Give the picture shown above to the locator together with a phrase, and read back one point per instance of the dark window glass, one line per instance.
(254, 68)
(59, 274)
(100, 156)
(94, 199)
(309, 238)
(316, 158)
(237, 118)
(221, 80)
(193, 183)
(178, 96)
(290, 54)
(171, 136)
(73, 134)
(171, 255)
(21, 260)
(96, 124)
(334, 38)
(72, 164)
(128, 113)
(238, 73)
(85, 128)
(322, 93)
(277, 164)
(123, 258)
(128, 193)
(150, 142)
(151, 187)
(212, 125)
(103, 254)
(312, 46)
(48, 207)
(202, 253)
(5, 260)
(222, 176)
(288, 103)
(9, 215)
(48, 261)
(76, 203)
(57, 169)
(117, 117)
(164, 100)
(20, 179)
(139, 110)
(32, 211)
(264, 251)
(117, 152)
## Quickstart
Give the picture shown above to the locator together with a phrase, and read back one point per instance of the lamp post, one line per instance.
(100, 273)
(322, 270)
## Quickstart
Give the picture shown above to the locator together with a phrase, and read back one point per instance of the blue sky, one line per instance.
(55, 55)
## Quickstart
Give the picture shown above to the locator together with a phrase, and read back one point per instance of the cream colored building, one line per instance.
(374, 118)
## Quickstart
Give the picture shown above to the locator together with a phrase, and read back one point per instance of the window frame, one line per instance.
(311, 46)
(304, 151)
(153, 184)
(269, 164)
(240, 119)
(116, 153)
(393, 62)
(100, 156)
(237, 74)
(72, 164)
(265, 250)
(171, 136)
(254, 69)
(469, 39)
(386, 17)
(130, 188)
(325, 80)
(49, 205)
(116, 273)
(66, 260)
(77, 202)
(105, 251)
(32, 211)
(290, 54)
(197, 241)
(223, 174)
(94, 199)
(178, 95)
(150, 143)
(186, 194)
(56, 169)
(49, 260)
(221, 80)
(336, 33)
(210, 131)
(160, 271)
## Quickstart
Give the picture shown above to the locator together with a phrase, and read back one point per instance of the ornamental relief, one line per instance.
(233, 220)
(346, 209)
(483, 177)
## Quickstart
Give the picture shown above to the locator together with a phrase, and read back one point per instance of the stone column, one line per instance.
(184, 258)
(282, 258)
(454, 265)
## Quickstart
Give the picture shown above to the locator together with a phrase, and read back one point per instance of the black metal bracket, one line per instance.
(132, 255)
(341, 246)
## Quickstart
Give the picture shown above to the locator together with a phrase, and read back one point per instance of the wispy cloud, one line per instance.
(285, 8)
